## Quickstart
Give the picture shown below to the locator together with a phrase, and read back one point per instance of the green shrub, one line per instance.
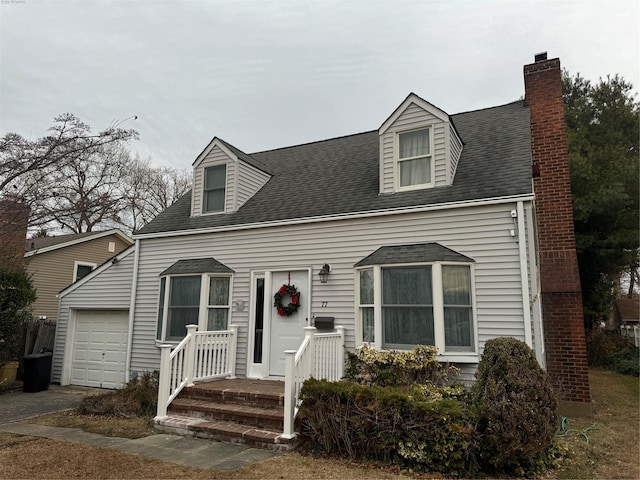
(16, 296)
(138, 398)
(423, 427)
(516, 407)
(608, 349)
(390, 368)
(625, 361)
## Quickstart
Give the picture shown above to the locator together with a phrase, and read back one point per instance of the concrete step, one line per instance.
(271, 418)
(225, 431)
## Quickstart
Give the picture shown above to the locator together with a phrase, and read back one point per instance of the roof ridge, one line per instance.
(490, 108)
(315, 142)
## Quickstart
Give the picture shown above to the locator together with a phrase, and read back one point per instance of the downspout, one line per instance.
(538, 330)
(524, 275)
(132, 307)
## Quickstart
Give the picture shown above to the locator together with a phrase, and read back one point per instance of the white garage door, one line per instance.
(99, 348)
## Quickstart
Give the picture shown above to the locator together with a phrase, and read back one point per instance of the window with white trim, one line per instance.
(215, 179)
(414, 161)
(82, 269)
(417, 304)
(202, 299)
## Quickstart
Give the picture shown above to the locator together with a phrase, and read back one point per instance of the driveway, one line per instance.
(17, 405)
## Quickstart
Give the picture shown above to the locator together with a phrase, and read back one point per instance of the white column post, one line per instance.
(310, 364)
(163, 381)
(231, 351)
(289, 393)
(340, 353)
(190, 352)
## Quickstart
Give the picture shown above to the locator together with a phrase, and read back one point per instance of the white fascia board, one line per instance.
(212, 144)
(420, 102)
(108, 264)
(344, 216)
(125, 238)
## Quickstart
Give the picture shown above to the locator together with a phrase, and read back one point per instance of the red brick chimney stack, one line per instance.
(566, 352)
(14, 216)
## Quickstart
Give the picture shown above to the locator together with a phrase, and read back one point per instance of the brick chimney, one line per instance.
(14, 216)
(565, 346)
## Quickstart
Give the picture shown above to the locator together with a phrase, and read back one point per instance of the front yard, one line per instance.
(612, 450)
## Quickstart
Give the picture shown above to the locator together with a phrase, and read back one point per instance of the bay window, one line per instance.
(416, 295)
(202, 300)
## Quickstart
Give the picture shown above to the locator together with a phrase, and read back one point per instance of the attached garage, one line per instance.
(99, 348)
(93, 329)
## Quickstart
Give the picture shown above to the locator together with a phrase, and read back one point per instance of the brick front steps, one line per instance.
(249, 412)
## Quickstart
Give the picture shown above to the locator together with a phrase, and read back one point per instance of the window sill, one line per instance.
(467, 357)
(173, 343)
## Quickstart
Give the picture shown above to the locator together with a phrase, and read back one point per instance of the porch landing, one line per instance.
(244, 411)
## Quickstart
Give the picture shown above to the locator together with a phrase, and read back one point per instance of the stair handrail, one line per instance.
(183, 364)
(304, 363)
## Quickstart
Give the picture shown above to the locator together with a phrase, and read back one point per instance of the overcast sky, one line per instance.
(268, 74)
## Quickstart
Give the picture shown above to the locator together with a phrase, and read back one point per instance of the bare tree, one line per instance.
(89, 190)
(78, 181)
(150, 191)
(30, 169)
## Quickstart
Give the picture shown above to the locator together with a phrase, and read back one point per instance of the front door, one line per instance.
(287, 332)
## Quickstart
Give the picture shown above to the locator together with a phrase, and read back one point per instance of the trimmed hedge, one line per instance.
(398, 409)
(421, 427)
(516, 407)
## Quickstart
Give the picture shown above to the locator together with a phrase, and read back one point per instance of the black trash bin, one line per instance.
(37, 372)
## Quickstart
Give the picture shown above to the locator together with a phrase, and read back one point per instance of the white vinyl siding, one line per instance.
(108, 290)
(481, 233)
(455, 152)
(250, 180)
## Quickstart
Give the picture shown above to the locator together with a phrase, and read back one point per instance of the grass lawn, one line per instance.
(613, 449)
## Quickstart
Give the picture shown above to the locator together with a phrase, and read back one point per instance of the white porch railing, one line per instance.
(631, 332)
(199, 356)
(321, 356)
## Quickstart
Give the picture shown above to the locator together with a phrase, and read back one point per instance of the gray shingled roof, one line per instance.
(43, 242)
(196, 265)
(340, 175)
(417, 252)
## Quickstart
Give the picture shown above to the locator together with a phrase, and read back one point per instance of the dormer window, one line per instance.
(414, 161)
(214, 189)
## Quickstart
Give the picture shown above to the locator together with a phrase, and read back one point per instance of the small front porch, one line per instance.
(199, 394)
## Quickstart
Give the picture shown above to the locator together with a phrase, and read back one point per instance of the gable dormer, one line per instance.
(224, 178)
(419, 147)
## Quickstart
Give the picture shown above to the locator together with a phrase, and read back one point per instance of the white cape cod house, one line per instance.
(423, 231)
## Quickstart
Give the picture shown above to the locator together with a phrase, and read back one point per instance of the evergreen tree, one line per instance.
(602, 135)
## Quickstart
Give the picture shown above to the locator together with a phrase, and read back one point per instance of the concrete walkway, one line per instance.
(17, 407)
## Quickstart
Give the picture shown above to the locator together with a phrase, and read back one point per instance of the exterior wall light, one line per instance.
(324, 273)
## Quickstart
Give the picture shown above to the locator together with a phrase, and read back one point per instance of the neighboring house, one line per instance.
(627, 312)
(428, 230)
(626, 317)
(56, 262)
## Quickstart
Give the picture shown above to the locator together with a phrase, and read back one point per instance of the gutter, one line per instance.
(342, 216)
(524, 275)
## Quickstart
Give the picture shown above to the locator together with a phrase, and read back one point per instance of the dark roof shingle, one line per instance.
(341, 175)
(417, 252)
